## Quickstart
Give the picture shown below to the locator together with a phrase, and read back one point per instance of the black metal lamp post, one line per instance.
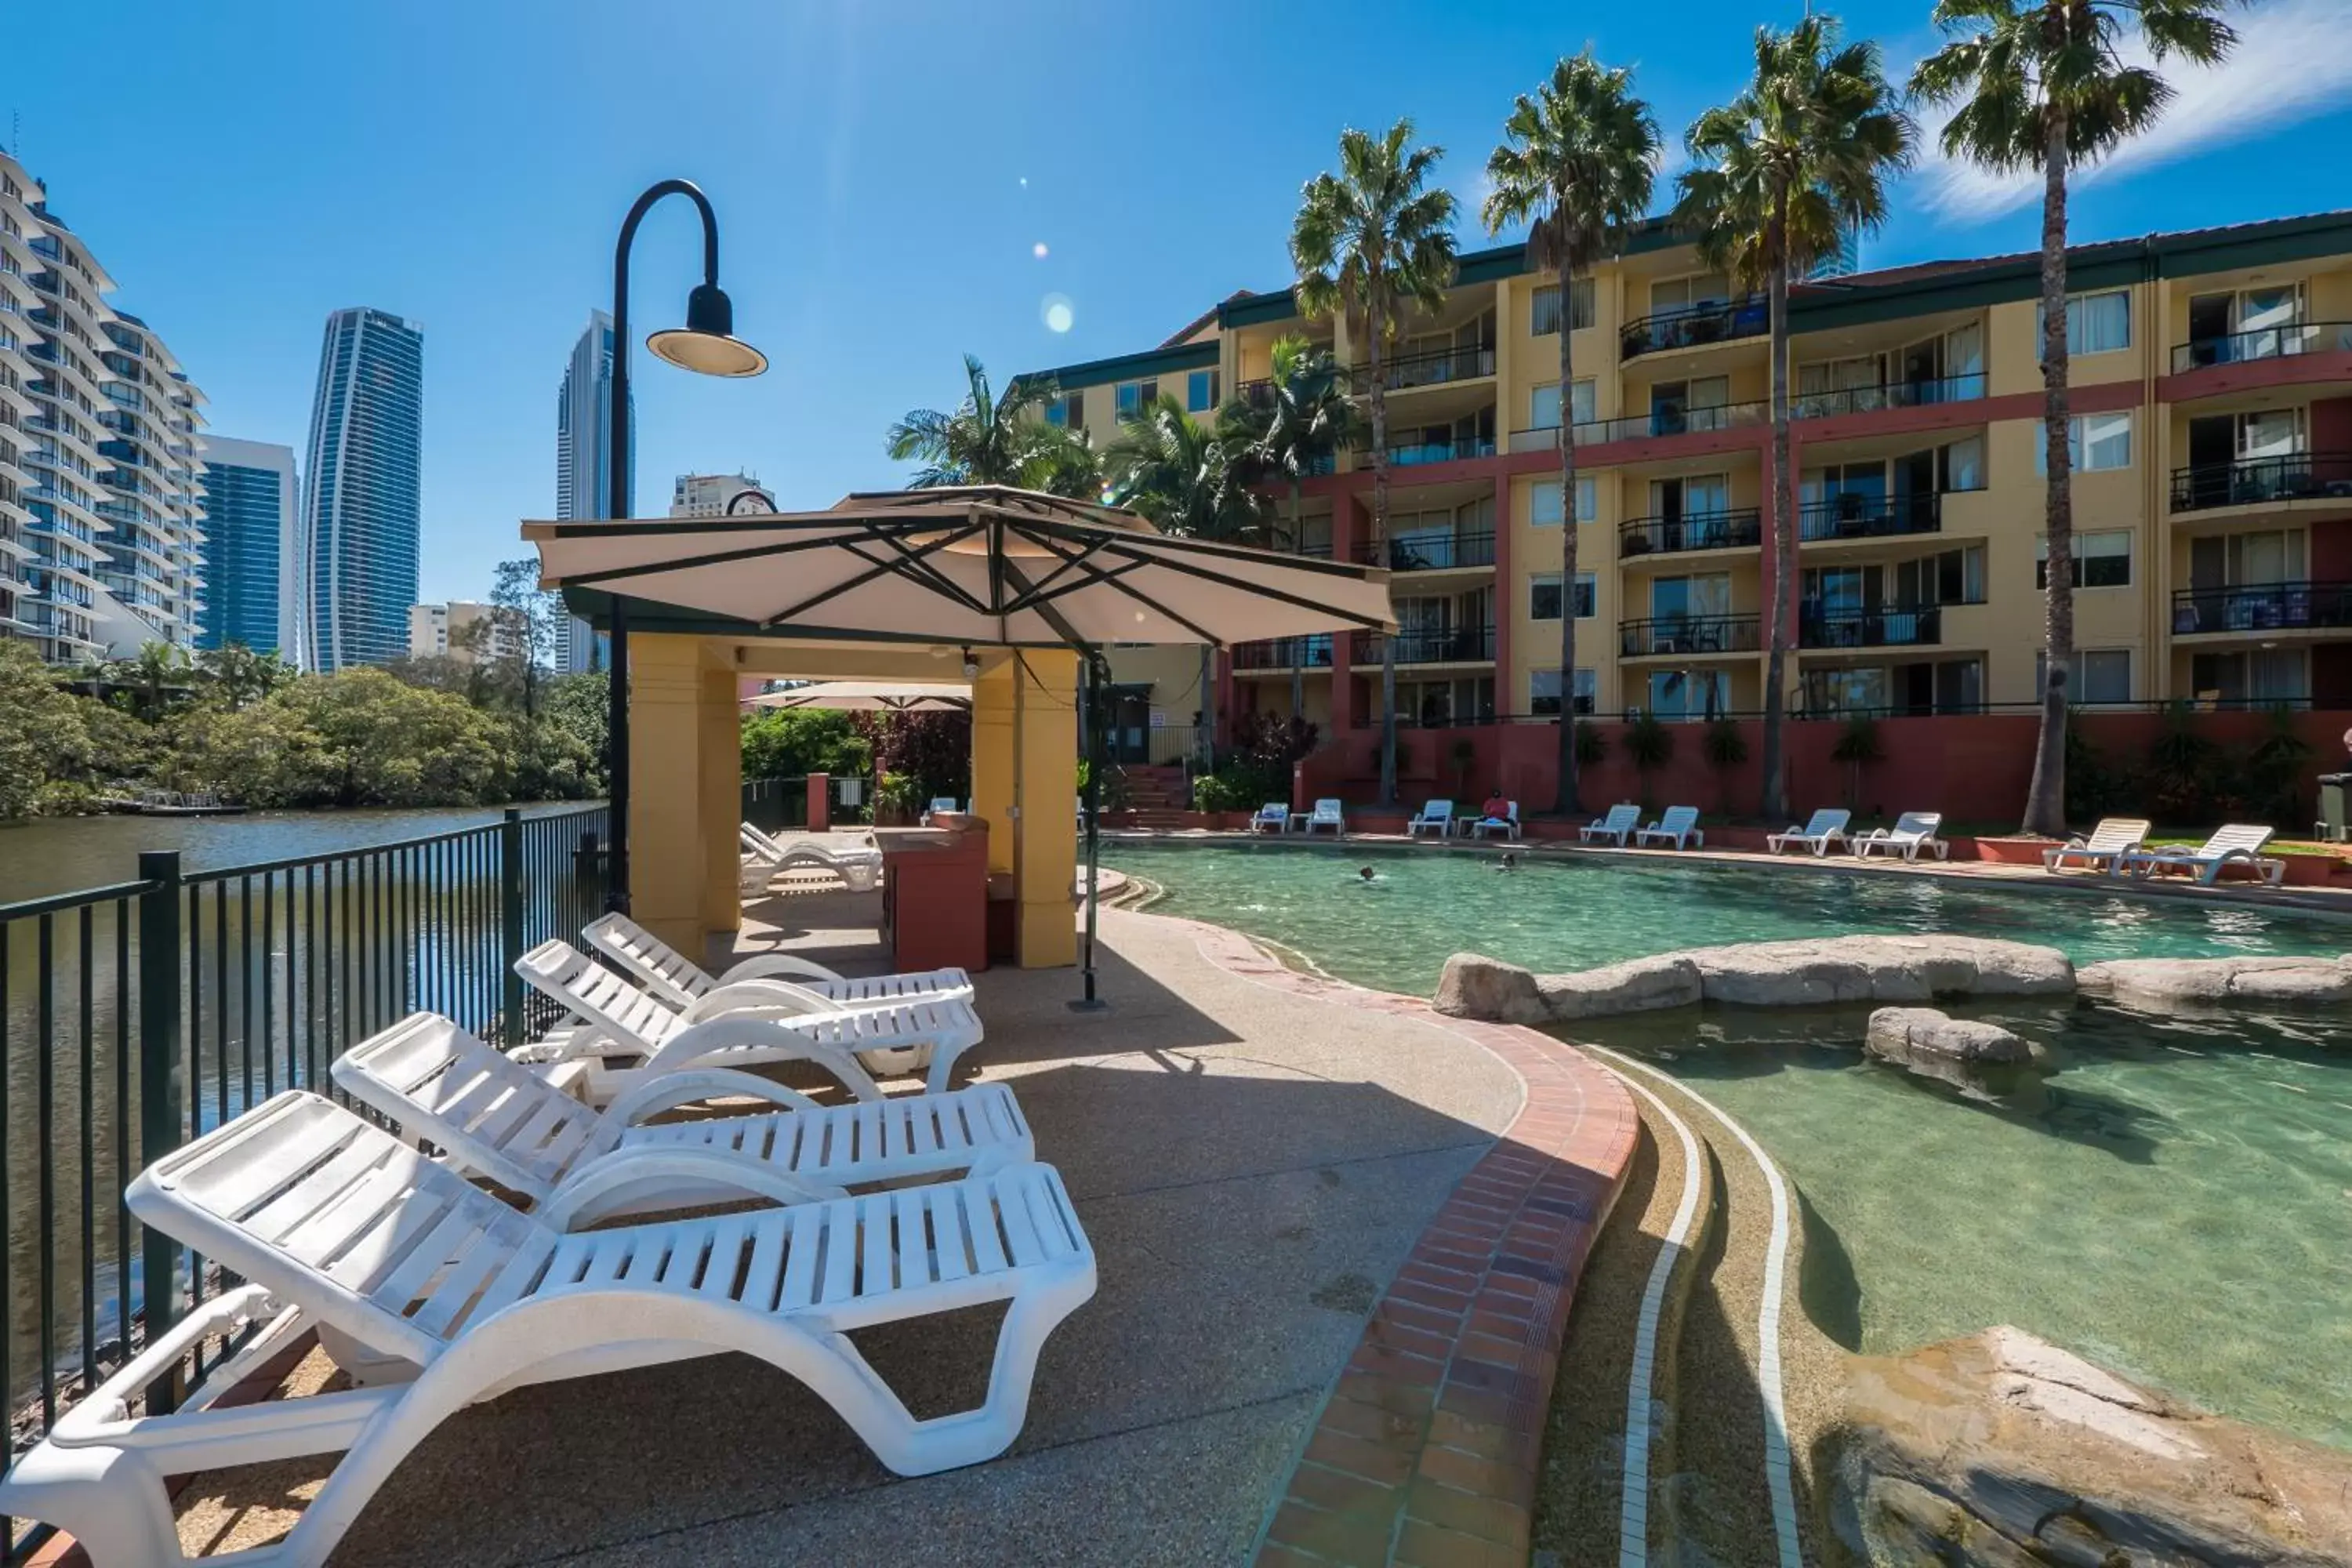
(707, 344)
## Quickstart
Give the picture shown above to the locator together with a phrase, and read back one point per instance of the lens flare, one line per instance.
(1057, 312)
(1038, 250)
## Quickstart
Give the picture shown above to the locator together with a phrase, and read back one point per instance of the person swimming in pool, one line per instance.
(1365, 873)
(1510, 861)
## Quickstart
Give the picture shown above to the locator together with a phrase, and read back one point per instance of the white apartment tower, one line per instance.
(717, 495)
(101, 494)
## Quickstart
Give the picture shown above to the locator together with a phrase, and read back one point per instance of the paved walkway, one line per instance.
(1253, 1166)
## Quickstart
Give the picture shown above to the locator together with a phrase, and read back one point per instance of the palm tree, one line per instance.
(1304, 419)
(1184, 478)
(1370, 241)
(2042, 84)
(1778, 172)
(1579, 158)
(993, 441)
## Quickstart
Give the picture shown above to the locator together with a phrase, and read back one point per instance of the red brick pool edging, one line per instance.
(1426, 1451)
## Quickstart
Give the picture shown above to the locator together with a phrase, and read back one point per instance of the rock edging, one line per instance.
(2159, 982)
(1808, 972)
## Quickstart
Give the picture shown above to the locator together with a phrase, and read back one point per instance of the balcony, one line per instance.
(2261, 607)
(1666, 421)
(1444, 644)
(1679, 636)
(2252, 481)
(1695, 326)
(1285, 652)
(1730, 530)
(1875, 399)
(1870, 628)
(1852, 516)
(1421, 452)
(2262, 343)
(1429, 552)
(1429, 369)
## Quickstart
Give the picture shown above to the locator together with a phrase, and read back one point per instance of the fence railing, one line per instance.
(135, 1017)
(2261, 343)
(1429, 552)
(1313, 652)
(1676, 635)
(2245, 481)
(1857, 516)
(2261, 607)
(1446, 645)
(1870, 628)
(1694, 325)
(1726, 530)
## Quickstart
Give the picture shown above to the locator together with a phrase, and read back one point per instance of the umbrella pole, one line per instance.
(1090, 1002)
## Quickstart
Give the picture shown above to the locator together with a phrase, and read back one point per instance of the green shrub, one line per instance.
(1592, 745)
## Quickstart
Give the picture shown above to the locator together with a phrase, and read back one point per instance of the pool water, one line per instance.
(2174, 1200)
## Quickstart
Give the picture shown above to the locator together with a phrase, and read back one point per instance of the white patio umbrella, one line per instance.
(980, 565)
(870, 697)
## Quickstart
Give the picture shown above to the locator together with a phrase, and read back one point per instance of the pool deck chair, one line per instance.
(1507, 825)
(1274, 815)
(2235, 844)
(1912, 832)
(749, 1024)
(765, 859)
(1436, 817)
(667, 973)
(1615, 827)
(1679, 827)
(493, 1117)
(437, 1295)
(2109, 842)
(1826, 829)
(1328, 813)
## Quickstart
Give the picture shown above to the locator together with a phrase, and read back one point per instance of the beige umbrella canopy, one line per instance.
(870, 697)
(982, 564)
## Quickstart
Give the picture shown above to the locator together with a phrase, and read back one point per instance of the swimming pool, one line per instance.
(2175, 1202)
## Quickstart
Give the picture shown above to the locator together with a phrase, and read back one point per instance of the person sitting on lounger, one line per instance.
(1496, 812)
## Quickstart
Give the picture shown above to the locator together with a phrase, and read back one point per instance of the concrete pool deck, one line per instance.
(1290, 1186)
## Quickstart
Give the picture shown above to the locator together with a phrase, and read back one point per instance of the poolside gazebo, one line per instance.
(1010, 590)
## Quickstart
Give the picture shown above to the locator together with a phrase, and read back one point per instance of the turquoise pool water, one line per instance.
(2174, 1200)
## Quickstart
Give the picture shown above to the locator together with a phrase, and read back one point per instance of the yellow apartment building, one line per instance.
(2212, 413)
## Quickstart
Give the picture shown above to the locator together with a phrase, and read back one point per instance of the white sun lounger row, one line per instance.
(767, 860)
(2118, 847)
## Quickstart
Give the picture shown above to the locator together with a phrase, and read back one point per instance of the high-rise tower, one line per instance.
(361, 488)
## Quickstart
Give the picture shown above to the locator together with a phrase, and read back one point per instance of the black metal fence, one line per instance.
(134, 1017)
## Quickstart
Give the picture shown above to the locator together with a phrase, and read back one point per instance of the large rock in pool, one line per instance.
(2003, 1451)
(1909, 1035)
(1476, 987)
(2160, 982)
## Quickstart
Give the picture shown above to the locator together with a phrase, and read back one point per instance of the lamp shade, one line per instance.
(707, 344)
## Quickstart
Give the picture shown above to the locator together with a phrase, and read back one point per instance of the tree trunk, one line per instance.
(2045, 798)
(1569, 802)
(1774, 805)
(1376, 319)
(1207, 740)
(1298, 644)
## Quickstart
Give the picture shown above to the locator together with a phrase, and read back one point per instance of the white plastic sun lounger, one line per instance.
(437, 1295)
(494, 1117)
(1507, 825)
(1679, 827)
(2235, 844)
(1274, 813)
(1615, 827)
(667, 973)
(766, 858)
(1912, 832)
(1328, 813)
(1436, 817)
(748, 1024)
(1826, 829)
(2109, 842)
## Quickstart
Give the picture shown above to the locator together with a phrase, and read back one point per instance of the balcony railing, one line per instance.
(1903, 394)
(1445, 645)
(2261, 608)
(2245, 481)
(1869, 629)
(2262, 343)
(1688, 635)
(1285, 652)
(1434, 369)
(1419, 452)
(1732, 529)
(1429, 552)
(1853, 516)
(1695, 326)
(1670, 421)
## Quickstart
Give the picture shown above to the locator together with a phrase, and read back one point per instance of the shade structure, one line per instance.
(978, 565)
(870, 697)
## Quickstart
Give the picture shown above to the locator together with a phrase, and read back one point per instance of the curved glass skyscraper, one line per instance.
(360, 484)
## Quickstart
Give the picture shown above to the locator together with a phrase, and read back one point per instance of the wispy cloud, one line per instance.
(2290, 63)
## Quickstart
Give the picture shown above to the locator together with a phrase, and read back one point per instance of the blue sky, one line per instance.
(882, 176)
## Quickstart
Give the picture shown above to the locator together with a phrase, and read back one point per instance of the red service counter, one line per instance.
(935, 893)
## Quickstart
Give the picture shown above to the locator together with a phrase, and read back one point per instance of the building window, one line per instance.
(1543, 405)
(1201, 392)
(1947, 577)
(2102, 559)
(1689, 694)
(1546, 307)
(1135, 396)
(1543, 501)
(2250, 679)
(2102, 675)
(1543, 595)
(1543, 692)
(1067, 411)
(2095, 444)
(1963, 465)
(2095, 323)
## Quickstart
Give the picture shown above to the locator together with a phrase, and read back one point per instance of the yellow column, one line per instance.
(667, 856)
(1045, 698)
(994, 728)
(720, 751)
